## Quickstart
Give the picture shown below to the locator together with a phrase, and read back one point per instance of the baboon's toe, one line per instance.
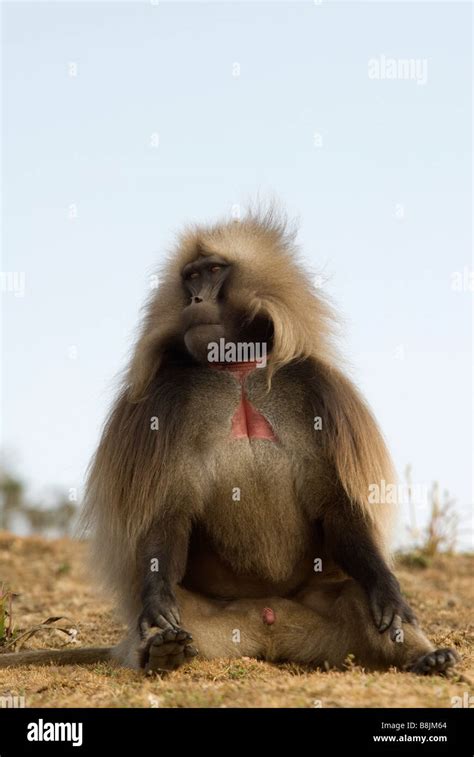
(438, 661)
(167, 650)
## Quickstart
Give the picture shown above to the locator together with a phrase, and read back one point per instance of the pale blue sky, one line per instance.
(168, 69)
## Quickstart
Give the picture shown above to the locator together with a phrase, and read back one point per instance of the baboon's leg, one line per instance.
(322, 629)
(331, 624)
(218, 629)
(340, 624)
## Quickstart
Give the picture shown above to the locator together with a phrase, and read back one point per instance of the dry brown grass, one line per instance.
(50, 579)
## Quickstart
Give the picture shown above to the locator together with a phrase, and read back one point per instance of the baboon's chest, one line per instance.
(247, 421)
(257, 458)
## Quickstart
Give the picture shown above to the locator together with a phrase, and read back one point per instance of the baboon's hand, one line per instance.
(389, 609)
(160, 610)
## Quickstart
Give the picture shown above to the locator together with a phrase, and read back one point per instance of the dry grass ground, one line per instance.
(50, 579)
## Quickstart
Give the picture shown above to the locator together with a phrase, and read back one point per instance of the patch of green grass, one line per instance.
(237, 672)
(414, 559)
(63, 569)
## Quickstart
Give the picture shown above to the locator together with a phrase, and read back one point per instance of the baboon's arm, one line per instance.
(352, 543)
(163, 556)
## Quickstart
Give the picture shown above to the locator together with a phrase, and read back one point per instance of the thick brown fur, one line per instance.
(163, 478)
(135, 472)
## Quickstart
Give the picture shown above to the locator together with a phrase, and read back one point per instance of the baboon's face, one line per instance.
(209, 317)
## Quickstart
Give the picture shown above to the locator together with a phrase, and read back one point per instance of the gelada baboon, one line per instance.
(229, 496)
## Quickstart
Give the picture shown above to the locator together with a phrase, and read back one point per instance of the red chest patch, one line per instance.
(247, 422)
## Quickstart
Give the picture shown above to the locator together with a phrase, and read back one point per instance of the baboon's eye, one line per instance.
(216, 268)
(194, 275)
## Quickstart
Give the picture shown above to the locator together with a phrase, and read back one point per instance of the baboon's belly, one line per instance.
(254, 537)
(209, 573)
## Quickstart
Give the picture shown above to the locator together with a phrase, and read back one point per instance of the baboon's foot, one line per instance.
(432, 663)
(166, 650)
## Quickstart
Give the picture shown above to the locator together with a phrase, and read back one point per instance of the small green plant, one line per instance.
(349, 662)
(415, 559)
(63, 569)
(236, 672)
